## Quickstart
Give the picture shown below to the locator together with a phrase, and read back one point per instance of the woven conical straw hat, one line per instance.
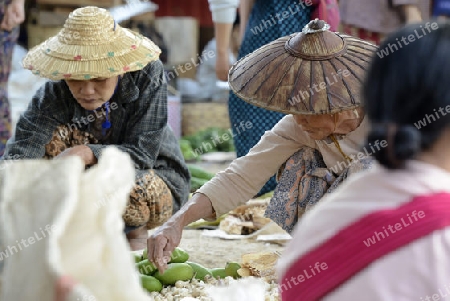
(315, 71)
(90, 45)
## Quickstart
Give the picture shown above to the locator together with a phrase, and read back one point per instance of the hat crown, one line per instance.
(88, 26)
(316, 42)
(312, 72)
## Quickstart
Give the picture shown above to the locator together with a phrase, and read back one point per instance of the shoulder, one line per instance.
(148, 78)
(152, 69)
(51, 95)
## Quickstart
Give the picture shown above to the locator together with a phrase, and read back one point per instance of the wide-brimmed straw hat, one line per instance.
(90, 45)
(315, 71)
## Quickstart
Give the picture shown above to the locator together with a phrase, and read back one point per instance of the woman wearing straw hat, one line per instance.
(108, 88)
(314, 77)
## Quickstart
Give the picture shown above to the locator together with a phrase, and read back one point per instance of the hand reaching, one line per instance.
(161, 244)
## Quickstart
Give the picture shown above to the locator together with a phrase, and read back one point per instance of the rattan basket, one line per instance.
(198, 116)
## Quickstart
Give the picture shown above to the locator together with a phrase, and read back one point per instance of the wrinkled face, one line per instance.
(319, 127)
(91, 94)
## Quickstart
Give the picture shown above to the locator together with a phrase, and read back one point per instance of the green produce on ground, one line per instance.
(179, 269)
(146, 267)
(199, 176)
(202, 223)
(175, 271)
(178, 255)
(212, 139)
(187, 150)
(218, 273)
(199, 172)
(137, 257)
(196, 183)
(231, 269)
(144, 253)
(199, 271)
(150, 283)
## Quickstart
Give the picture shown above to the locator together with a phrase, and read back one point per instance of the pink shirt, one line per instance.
(410, 273)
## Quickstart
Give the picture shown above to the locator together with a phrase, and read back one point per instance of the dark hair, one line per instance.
(406, 97)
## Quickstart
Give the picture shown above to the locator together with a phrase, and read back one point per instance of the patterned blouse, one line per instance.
(138, 115)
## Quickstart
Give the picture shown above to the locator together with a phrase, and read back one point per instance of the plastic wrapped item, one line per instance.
(61, 222)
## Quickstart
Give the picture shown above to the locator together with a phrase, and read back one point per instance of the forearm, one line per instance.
(199, 206)
(411, 13)
(222, 33)
(20, 2)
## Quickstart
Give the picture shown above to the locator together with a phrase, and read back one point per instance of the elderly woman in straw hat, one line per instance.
(314, 76)
(107, 88)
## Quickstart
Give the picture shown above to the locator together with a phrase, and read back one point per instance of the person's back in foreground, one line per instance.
(385, 234)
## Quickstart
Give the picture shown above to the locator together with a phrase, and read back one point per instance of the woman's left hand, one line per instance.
(82, 151)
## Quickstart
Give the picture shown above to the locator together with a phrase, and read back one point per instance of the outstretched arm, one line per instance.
(228, 189)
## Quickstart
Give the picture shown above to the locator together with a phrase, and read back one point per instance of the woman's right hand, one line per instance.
(163, 241)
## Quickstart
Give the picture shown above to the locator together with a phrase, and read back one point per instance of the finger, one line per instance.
(5, 25)
(63, 286)
(156, 250)
(167, 256)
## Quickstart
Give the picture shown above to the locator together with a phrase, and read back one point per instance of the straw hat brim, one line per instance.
(277, 78)
(57, 58)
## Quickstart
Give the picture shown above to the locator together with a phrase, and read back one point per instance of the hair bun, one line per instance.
(403, 143)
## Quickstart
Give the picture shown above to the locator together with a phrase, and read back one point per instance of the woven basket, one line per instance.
(202, 115)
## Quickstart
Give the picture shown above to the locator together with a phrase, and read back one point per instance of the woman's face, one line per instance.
(319, 127)
(91, 94)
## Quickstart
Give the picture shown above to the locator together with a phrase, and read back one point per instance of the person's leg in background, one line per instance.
(7, 42)
(150, 205)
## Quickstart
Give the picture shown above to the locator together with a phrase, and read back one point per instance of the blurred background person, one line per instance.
(207, 85)
(372, 20)
(12, 14)
(262, 21)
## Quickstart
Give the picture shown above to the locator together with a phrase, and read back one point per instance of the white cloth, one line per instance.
(71, 221)
(413, 272)
(246, 175)
(223, 11)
